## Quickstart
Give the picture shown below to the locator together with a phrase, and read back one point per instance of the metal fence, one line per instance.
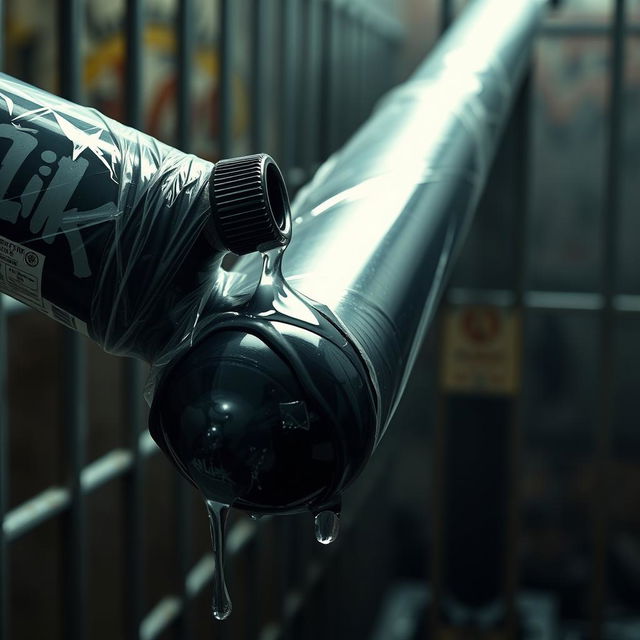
(333, 60)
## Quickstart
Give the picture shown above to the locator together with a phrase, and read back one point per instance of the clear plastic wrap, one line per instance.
(96, 221)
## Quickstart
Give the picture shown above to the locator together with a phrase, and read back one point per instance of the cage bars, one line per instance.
(75, 402)
(610, 216)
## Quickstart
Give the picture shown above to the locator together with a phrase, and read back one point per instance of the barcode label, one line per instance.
(62, 316)
(21, 272)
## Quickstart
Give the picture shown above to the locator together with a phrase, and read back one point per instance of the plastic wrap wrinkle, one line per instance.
(176, 180)
(149, 218)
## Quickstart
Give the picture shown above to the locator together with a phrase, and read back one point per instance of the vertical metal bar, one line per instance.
(392, 47)
(310, 75)
(4, 427)
(368, 70)
(350, 44)
(74, 373)
(374, 62)
(367, 84)
(252, 574)
(183, 501)
(3, 23)
(225, 40)
(287, 565)
(183, 524)
(133, 67)
(307, 84)
(185, 65)
(522, 114)
(4, 476)
(258, 96)
(133, 375)
(361, 67)
(383, 62)
(521, 154)
(335, 77)
(607, 365)
(314, 88)
(69, 34)
(289, 115)
(133, 574)
(325, 121)
(341, 71)
(437, 501)
(75, 426)
(446, 14)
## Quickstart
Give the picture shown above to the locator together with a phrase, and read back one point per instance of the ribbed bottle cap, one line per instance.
(250, 204)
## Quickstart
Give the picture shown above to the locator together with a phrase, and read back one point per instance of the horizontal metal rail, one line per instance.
(552, 301)
(585, 30)
(55, 500)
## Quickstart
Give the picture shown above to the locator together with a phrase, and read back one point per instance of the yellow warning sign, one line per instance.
(481, 350)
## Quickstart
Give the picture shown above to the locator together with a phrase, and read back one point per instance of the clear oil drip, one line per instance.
(221, 603)
(327, 526)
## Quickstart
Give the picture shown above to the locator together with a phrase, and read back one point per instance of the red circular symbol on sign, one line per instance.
(481, 324)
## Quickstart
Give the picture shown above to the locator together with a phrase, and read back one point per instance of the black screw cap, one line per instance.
(250, 205)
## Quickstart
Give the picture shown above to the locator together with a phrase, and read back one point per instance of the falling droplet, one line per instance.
(327, 526)
(221, 603)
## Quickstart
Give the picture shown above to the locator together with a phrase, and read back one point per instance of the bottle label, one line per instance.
(21, 271)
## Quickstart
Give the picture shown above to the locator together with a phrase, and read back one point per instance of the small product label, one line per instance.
(21, 271)
(481, 350)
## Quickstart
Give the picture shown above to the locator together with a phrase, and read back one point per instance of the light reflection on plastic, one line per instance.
(343, 258)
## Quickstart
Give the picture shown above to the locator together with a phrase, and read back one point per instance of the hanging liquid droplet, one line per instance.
(327, 525)
(221, 603)
(255, 516)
